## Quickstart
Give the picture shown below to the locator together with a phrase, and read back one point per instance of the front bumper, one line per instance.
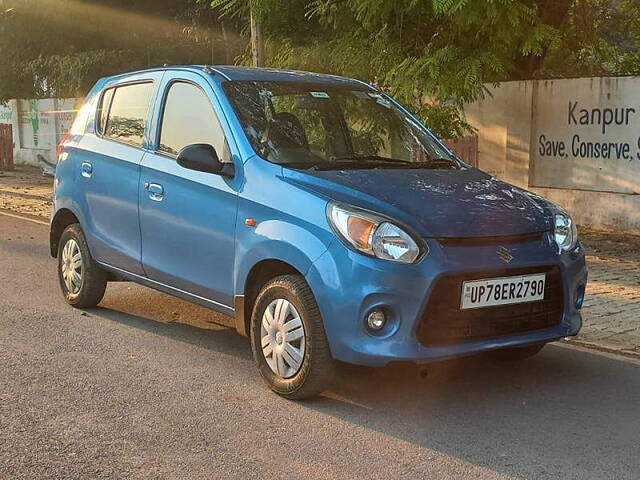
(347, 285)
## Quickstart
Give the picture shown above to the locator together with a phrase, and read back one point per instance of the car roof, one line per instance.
(238, 73)
(273, 74)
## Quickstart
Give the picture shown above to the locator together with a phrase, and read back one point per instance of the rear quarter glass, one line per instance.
(79, 125)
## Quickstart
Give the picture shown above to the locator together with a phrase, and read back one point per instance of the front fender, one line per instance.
(277, 240)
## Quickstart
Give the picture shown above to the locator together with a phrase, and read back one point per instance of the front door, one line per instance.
(187, 218)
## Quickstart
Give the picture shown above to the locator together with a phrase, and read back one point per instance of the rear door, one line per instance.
(187, 218)
(109, 171)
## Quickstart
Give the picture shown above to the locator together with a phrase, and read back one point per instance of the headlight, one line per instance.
(372, 234)
(565, 233)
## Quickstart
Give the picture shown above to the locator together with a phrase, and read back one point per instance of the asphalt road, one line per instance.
(125, 390)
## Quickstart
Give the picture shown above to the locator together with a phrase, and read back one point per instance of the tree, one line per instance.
(61, 47)
(431, 55)
(552, 13)
(435, 55)
(598, 38)
(257, 38)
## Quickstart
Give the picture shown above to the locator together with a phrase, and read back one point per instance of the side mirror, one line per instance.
(202, 157)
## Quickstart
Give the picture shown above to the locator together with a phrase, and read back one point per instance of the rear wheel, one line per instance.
(81, 280)
(515, 354)
(288, 339)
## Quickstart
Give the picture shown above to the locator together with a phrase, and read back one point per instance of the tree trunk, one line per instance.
(225, 42)
(550, 12)
(257, 40)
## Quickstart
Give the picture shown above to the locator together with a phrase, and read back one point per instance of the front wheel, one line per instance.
(288, 339)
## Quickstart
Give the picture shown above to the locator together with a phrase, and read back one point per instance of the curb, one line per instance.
(24, 216)
(603, 348)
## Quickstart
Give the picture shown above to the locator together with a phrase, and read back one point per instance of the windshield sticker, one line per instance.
(319, 94)
(374, 95)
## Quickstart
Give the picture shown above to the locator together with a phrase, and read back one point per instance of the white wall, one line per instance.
(585, 134)
(542, 135)
(38, 125)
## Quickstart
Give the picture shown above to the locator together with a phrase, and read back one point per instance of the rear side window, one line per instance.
(189, 118)
(128, 113)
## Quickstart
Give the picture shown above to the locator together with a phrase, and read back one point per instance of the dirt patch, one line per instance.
(26, 190)
(611, 245)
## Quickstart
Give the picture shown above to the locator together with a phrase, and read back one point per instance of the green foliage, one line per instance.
(61, 47)
(72, 73)
(431, 55)
(599, 37)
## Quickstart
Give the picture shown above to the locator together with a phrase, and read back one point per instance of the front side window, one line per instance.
(188, 118)
(128, 113)
(332, 127)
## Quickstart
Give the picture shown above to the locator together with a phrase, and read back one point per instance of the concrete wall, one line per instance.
(574, 141)
(38, 125)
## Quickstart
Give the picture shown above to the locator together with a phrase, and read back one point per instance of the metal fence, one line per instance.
(466, 148)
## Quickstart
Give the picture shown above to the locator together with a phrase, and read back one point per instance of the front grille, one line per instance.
(443, 322)
(484, 241)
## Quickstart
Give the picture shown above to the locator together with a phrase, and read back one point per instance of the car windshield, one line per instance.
(303, 125)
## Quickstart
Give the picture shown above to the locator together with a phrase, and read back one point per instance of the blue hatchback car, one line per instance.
(316, 212)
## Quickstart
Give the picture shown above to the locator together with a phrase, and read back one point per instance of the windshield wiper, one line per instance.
(431, 163)
(442, 162)
(358, 161)
(372, 161)
(367, 158)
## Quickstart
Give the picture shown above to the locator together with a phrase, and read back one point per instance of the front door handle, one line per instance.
(156, 191)
(86, 169)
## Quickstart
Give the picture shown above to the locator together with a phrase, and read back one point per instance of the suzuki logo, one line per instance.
(504, 254)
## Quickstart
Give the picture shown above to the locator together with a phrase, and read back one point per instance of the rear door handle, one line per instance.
(86, 169)
(156, 191)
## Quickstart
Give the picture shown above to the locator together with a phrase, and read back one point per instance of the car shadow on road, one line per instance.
(563, 414)
(218, 338)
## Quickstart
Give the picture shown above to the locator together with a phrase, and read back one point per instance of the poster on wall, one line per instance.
(66, 109)
(585, 134)
(44, 122)
(35, 123)
(5, 113)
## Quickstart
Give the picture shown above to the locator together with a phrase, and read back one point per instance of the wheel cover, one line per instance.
(71, 267)
(282, 338)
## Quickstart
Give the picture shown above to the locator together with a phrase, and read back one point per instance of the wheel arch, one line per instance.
(61, 220)
(261, 272)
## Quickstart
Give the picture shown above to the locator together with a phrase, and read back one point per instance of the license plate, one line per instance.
(502, 291)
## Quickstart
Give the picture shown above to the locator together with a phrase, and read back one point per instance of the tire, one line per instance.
(87, 291)
(515, 354)
(293, 312)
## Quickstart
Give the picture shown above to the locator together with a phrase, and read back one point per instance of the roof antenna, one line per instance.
(206, 69)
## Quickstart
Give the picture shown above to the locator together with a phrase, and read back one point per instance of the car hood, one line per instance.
(436, 203)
